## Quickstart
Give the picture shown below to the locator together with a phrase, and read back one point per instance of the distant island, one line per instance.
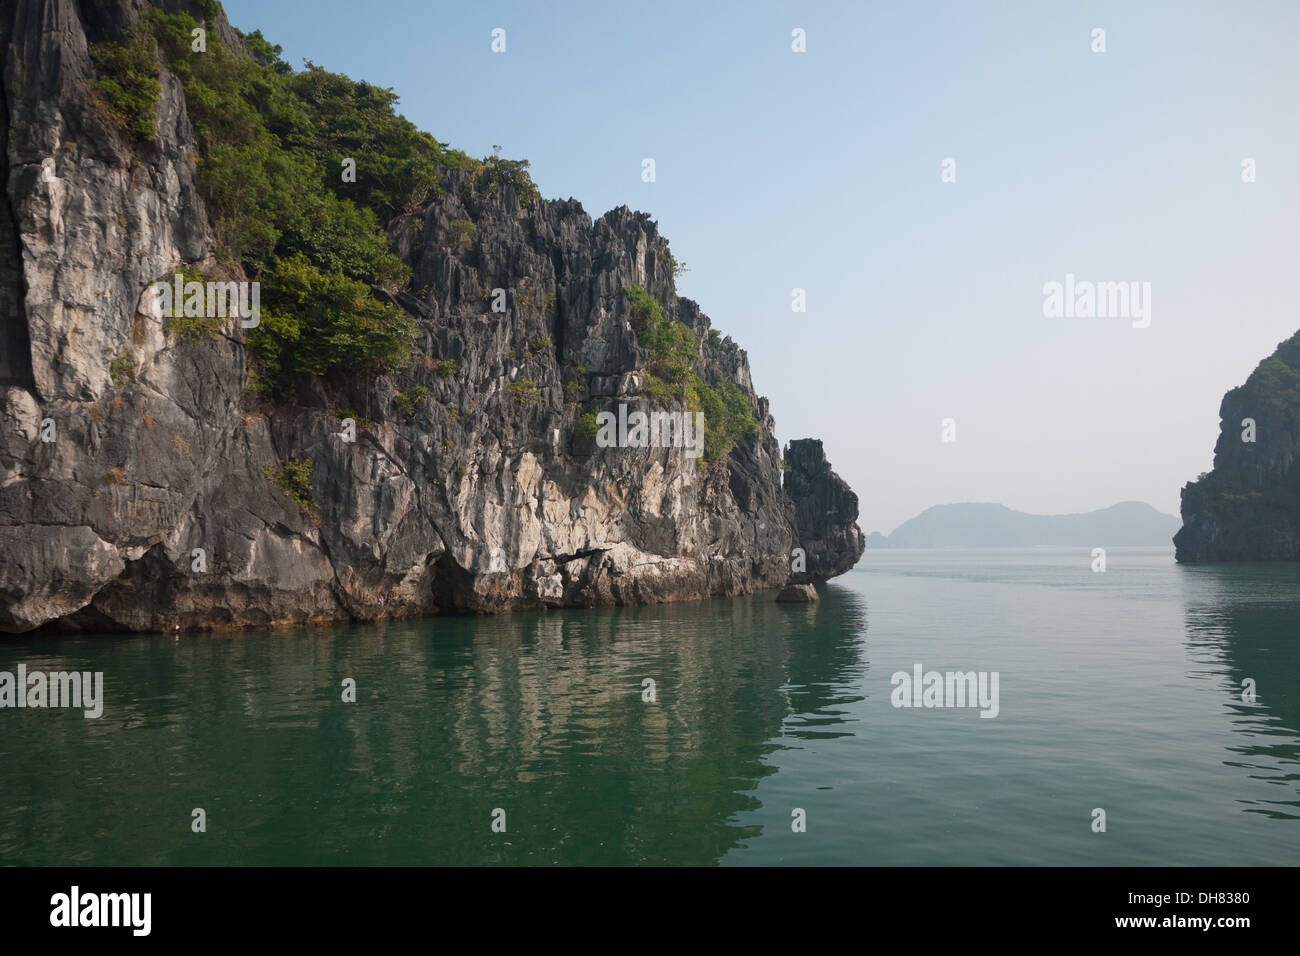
(986, 525)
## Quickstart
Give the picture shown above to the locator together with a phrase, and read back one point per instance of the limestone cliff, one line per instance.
(1248, 507)
(826, 512)
(138, 484)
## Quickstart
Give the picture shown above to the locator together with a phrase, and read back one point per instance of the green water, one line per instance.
(1119, 691)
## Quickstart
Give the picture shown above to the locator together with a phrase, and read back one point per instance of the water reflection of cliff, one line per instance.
(540, 715)
(823, 671)
(1246, 616)
(550, 719)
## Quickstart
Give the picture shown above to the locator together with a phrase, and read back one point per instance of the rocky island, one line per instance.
(405, 424)
(1248, 507)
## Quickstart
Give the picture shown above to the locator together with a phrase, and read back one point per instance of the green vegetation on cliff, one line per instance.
(316, 322)
(126, 88)
(671, 377)
(294, 478)
(272, 149)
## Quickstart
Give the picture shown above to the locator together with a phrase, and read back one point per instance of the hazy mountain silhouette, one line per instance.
(982, 525)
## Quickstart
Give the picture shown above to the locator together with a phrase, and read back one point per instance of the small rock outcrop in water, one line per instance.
(826, 512)
(1248, 507)
(797, 594)
(145, 487)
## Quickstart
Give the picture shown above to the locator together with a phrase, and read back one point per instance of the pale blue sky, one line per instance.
(822, 171)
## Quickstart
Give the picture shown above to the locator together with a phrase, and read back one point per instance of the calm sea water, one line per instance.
(1119, 691)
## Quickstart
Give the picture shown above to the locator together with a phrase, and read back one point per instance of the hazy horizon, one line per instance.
(821, 170)
(1032, 514)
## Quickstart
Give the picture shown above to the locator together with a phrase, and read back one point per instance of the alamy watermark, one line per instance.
(210, 300)
(1084, 299)
(654, 430)
(75, 909)
(55, 689)
(951, 689)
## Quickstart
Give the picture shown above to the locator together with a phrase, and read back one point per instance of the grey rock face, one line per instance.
(1248, 507)
(826, 512)
(151, 507)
